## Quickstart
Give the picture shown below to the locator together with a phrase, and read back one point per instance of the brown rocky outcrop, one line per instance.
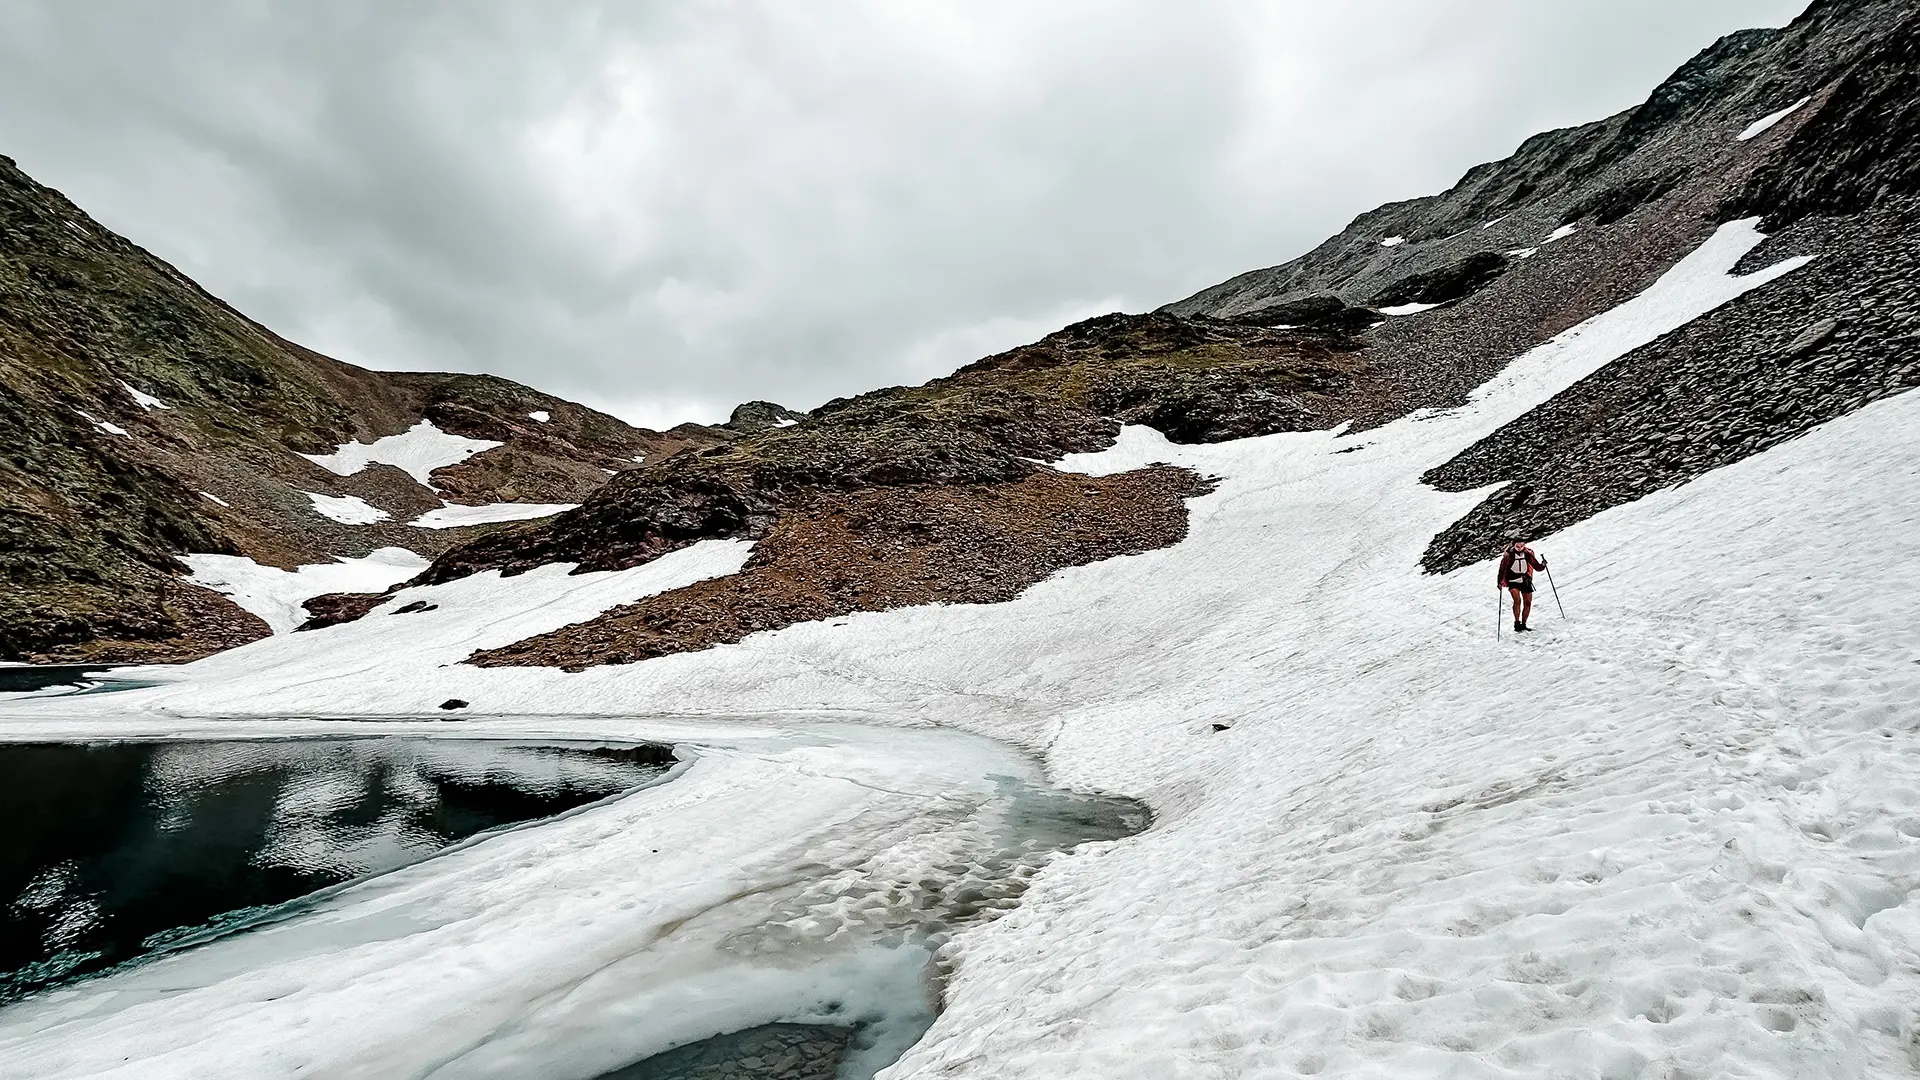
(886, 548)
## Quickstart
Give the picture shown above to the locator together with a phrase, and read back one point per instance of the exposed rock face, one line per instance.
(756, 416)
(1857, 151)
(1444, 284)
(1827, 339)
(126, 392)
(1839, 334)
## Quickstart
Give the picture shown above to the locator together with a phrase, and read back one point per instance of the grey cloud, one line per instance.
(666, 208)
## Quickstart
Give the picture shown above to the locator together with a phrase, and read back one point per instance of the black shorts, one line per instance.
(1524, 584)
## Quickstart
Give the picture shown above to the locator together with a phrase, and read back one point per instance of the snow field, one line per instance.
(1678, 835)
(386, 651)
(276, 595)
(416, 451)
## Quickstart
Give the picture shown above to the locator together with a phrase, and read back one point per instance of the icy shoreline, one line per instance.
(798, 875)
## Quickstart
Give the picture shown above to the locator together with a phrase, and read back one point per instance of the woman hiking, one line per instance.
(1516, 576)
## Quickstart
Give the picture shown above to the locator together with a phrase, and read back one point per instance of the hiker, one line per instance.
(1516, 576)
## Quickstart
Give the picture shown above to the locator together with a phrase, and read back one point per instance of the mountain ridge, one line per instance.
(1412, 308)
(144, 419)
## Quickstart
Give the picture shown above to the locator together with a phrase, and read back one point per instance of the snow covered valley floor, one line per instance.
(1674, 835)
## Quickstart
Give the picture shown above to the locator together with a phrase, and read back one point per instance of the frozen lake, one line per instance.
(119, 850)
(776, 906)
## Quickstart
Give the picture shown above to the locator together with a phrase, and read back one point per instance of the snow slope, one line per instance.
(276, 595)
(1677, 834)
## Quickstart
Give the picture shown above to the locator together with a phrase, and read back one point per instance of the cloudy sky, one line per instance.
(663, 208)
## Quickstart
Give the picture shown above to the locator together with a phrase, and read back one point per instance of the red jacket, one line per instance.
(1521, 562)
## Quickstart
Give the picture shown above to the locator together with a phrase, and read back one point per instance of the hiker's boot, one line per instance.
(1525, 629)
(1518, 626)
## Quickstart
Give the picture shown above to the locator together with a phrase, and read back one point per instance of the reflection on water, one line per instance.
(25, 678)
(115, 850)
(78, 678)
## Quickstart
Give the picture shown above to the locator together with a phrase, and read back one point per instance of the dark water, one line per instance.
(116, 850)
(14, 680)
(769, 1052)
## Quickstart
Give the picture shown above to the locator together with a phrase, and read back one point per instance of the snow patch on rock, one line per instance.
(455, 515)
(1407, 309)
(105, 426)
(416, 451)
(141, 397)
(346, 509)
(541, 415)
(1764, 124)
(1393, 241)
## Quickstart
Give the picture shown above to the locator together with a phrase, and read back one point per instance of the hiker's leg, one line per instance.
(1515, 593)
(1528, 612)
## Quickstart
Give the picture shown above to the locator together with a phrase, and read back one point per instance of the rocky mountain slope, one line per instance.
(898, 496)
(1412, 307)
(142, 419)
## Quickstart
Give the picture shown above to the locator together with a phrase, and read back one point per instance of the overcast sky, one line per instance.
(665, 208)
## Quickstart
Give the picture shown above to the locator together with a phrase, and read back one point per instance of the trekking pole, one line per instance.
(1556, 592)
